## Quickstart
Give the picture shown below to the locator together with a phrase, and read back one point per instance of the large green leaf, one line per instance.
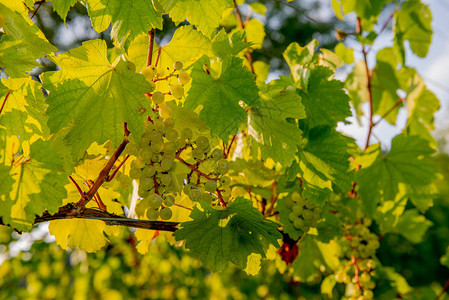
(92, 96)
(272, 124)
(62, 7)
(204, 14)
(408, 162)
(39, 181)
(231, 234)
(221, 96)
(128, 18)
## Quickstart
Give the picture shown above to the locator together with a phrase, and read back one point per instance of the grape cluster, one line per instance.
(304, 214)
(359, 246)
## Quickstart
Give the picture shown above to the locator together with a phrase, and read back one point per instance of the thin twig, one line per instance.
(389, 111)
(104, 174)
(446, 286)
(226, 154)
(242, 25)
(38, 6)
(194, 168)
(150, 47)
(80, 191)
(4, 101)
(117, 169)
(182, 206)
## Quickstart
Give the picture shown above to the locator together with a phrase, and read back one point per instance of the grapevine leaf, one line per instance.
(62, 7)
(413, 24)
(204, 14)
(224, 45)
(326, 102)
(407, 162)
(268, 127)
(14, 57)
(38, 184)
(220, 96)
(232, 234)
(309, 258)
(98, 100)
(324, 162)
(129, 18)
(445, 258)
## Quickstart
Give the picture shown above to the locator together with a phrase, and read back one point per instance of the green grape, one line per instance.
(186, 133)
(171, 134)
(225, 180)
(152, 214)
(195, 194)
(169, 123)
(292, 216)
(197, 154)
(217, 154)
(180, 143)
(149, 171)
(298, 209)
(296, 197)
(135, 173)
(298, 223)
(149, 73)
(146, 183)
(158, 97)
(142, 192)
(141, 206)
(177, 65)
(166, 164)
(222, 166)
(187, 188)
(202, 142)
(157, 146)
(307, 215)
(288, 203)
(166, 213)
(309, 205)
(159, 125)
(165, 112)
(184, 77)
(210, 186)
(155, 135)
(169, 200)
(154, 201)
(145, 154)
(170, 148)
(206, 197)
(340, 276)
(177, 90)
(138, 163)
(365, 277)
(368, 294)
(166, 179)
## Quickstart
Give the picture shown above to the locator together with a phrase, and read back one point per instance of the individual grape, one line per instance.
(141, 206)
(157, 146)
(145, 154)
(154, 201)
(158, 127)
(292, 216)
(169, 123)
(184, 77)
(146, 183)
(171, 134)
(222, 166)
(152, 214)
(169, 200)
(295, 196)
(288, 203)
(202, 142)
(298, 209)
(177, 90)
(166, 213)
(206, 197)
(365, 277)
(187, 188)
(180, 143)
(210, 186)
(197, 154)
(177, 65)
(155, 135)
(138, 163)
(368, 294)
(165, 112)
(195, 194)
(225, 180)
(186, 133)
(158, 98)
(307, 215)
(149, 73)
(166, 179)
(149, 171)
(135, 173)
(166, 164)
(142, 192)
(217, 154)
(298, 223)
(170, 148)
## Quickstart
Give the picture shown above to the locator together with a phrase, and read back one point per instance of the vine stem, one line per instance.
(118, 168)
(4, 101)
(368, 85)
(80, 191)
(195, 169)
(446, 286)
(151, 34)
(39, 4)
(400, 100)
(104, 173)
(242, 24)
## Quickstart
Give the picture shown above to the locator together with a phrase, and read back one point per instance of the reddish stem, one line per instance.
(194, 168)
(242, 25)
(158, 55)
(228, 150)
(117, 169)
(4, 101)
(39, 6)
(150, 46)
(80, 191)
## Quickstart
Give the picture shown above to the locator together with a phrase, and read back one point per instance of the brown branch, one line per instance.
(242, 25)
(226, 154)
(104, 174)
(150, 47)
(194, 168)
(118, 168)
(4, 101)
(158, 55)
(39, 3)
(368, 78)
(389, 111)
(446, 286)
